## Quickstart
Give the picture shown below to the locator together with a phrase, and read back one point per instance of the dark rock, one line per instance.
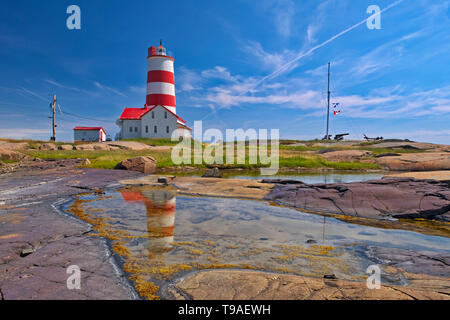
(380, 199)
(163, 180)
(48, 146)
(27, 251)
(212, 173)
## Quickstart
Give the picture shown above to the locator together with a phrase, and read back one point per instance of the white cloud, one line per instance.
(266, 60)
(283, 12)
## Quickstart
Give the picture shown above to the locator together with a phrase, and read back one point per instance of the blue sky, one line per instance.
(238, 64)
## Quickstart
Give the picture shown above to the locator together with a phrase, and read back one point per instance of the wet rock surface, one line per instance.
(385, 198)
(38, 242)
(428, 262)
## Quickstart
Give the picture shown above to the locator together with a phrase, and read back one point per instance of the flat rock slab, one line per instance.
(346, 155)
(385, 198)
(252, 285)
(407, 145)
(434, 175)
(432, 161)
(213, 187)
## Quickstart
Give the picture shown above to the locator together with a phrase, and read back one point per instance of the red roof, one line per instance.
(89, 128)
(138, 113)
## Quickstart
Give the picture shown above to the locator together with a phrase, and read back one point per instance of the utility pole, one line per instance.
(328, 103)
(53, 106)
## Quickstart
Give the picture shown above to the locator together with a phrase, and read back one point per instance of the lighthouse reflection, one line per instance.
(160, 206)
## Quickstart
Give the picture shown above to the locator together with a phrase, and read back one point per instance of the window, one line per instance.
(167, 129)
(153, 114)
(131, 129)
(165, 114)
(156, 129)
(135, 129)
(146, 129)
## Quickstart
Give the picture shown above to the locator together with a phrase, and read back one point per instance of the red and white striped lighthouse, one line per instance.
(160, 79)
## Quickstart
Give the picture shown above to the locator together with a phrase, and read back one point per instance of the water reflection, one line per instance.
(231, 233)
(160, 205)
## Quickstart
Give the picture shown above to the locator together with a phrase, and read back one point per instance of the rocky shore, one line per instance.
(38, 242)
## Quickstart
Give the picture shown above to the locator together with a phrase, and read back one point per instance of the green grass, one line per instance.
(316, 163)
(9, 161)
(102, 159)
(108, 159)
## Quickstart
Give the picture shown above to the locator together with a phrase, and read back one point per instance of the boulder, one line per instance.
(85, 162)
(10, 155)
(65, 147)
(144, 164)
(379, 199)
(84, 147)
(48, 146)
(99, 146)
(212, 173)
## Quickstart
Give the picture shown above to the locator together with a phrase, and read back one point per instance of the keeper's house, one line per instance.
(151, 122)
(90, 134)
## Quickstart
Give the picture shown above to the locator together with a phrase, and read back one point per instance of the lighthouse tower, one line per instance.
(160, 79)
(158, 118)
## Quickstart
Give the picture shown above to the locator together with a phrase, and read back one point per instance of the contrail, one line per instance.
(302, 55)
(310, 51)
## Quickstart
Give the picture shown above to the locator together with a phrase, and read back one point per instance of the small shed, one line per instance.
(91, 134)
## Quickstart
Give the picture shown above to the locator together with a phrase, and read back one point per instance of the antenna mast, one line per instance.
(53, 106)
(327, 137)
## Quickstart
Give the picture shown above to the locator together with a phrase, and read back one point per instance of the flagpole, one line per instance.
(328, 102)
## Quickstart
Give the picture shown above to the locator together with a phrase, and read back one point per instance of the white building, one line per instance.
(91, 134)
(154, 122)
(158, 118)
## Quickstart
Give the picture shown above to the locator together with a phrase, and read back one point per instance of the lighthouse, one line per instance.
(158, 118)
(160, 79)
